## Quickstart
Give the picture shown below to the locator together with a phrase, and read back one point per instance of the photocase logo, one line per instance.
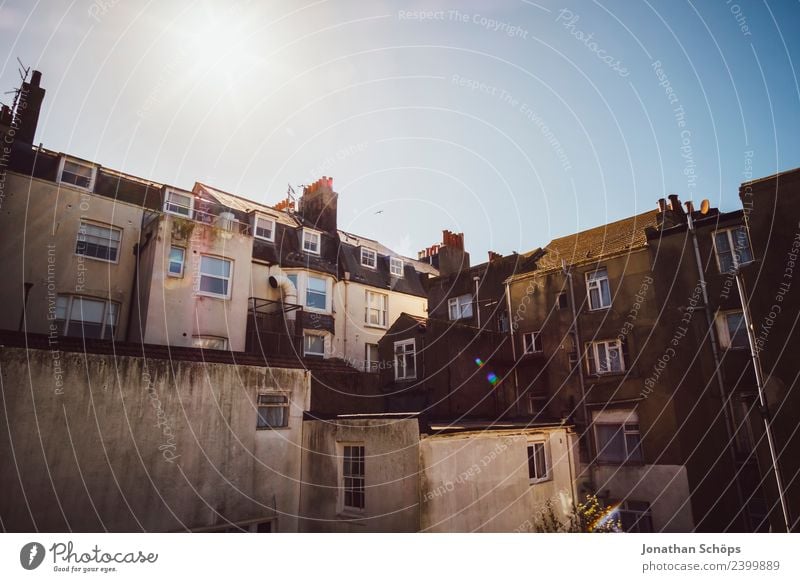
(31, 555)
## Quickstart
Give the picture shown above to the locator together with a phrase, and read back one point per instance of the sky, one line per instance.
(512, 121)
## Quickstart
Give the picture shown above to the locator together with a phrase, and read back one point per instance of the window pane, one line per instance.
(724, 251)
(633, 442)
(87, 310)
(742, 245)
(176, 261)
(264, 228)
(316, 284)
(314, 344)
(737, 331)
(213, 285)
(214, 266)
(610, 443)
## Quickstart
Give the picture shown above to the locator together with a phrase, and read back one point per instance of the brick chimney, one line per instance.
(318, 204)
(493, 256)
(450, 256)
(28, 109)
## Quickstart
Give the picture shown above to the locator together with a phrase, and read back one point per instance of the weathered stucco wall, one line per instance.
(99, 443)
(391, 449)
(665, 487)
(479, 482)
(176, 311)
(40, 221)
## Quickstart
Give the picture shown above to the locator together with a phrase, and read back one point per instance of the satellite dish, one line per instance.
(704, 205)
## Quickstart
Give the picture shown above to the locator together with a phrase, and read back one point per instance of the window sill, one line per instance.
(539, 481)
(405, 379)
(89, 188)
(353, 516)
(262, 239)
(212, 296)
(98, 259)
(265, 428)
(376, 326)
(596, 309)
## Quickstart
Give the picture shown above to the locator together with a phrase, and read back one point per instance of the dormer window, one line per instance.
(178, 203)
(369, 258)
(264, 228)
(311, 241)
(396, 266)
(77, 173)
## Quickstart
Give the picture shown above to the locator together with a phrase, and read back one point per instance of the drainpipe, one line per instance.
(24, 307)
(579, 351)
(511, 325)
(727, 410)
(477, 300)
(762, 399)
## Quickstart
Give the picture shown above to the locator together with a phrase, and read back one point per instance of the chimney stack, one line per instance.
(493, 256)
(318, 204)
(451, 256)
(675, 205)
(28, 109)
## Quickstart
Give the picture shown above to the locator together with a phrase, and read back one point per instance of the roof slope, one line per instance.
(590, 245)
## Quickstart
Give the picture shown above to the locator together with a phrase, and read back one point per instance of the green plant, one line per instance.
(587, 517)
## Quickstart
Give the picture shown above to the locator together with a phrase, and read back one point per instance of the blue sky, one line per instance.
(512, 121)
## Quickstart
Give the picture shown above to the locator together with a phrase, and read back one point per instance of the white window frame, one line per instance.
(529, 347)
(305, 347)
(170, 261)
(596, 284)
(199, 340)
(371, 257)
(382, 311)
(460, 306)
(256, 220)
(285, 405)
(724, 333)
(614, 344)
(548, 470)
(66, 302)
(625, 421)
(190, 210)
(63, 162)
(308, 290)
(357, 478)
(371, 365)
(735, 259)
(397, 267)
(110, 228)
(312, 234)
(229, 278)
(406, 353)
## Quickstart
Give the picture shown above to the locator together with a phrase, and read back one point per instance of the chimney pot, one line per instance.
(662, 205)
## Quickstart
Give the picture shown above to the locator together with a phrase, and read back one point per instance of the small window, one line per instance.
(732, 246)
(396, 267)
(369, 258)
(311, 241)
(265, 228)
(635, 516)
(460, 307)
(98, 242)
(215, 276)
(313, 345)
(209, 342)
(78, 174)
(178, 204)
(177, 256)
(78, 316)
(598, 289)
(405, 360)
(273, 411)
(371, 357)
(538, 462)
(316, 293)
(732, 331)
(353, 477)
(561, 300)
(605, 357)
(532, 342)
(376, 309)
(502, 322)
(618, 442)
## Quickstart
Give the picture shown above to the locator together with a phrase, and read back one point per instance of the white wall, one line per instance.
(479, 481)
(352, 332)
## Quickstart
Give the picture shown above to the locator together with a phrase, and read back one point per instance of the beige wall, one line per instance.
(128, 445)
(352, 332)
(391, 449)
(176, 311)
(479, 482)
(664, 487)
(37, 213)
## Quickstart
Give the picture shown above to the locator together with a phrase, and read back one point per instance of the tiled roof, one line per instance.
(590, 245)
